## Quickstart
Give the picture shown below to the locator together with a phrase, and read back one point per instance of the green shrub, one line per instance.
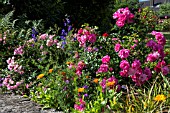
(163, 25)
(164, 9)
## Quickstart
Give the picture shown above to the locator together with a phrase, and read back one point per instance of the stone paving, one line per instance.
(18, 104)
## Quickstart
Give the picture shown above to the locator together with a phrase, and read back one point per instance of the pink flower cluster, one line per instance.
(104, 82)
(49, 40)
(140, 77)
(3, 39)
(157, 47)
(80, 106)
(123, 15)
(84, 36)
(159, 37)
(162, 67)
(12, 65)
(104, 66)
(80, 67)
(9, 83)
(19, 50)
(153, 56)
(124, 53)
(135, 71)
(124, 65)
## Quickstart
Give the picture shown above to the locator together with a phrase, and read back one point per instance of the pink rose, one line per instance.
(124, 53)
(120, 23)
(117, 47)
(49, 42)
(43, 36)
(106, 59)
(92, 38)
(124, 65)
(124, 73)
(153, 56)
(103, 68)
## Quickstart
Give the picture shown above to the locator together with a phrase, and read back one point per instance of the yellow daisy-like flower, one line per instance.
(80, 90)
(68, 63)
(160, 97)
(96, 80)
(50, 71)
(40, 76)
(110, 83)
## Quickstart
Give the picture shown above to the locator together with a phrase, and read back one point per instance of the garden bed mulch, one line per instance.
(10, 103)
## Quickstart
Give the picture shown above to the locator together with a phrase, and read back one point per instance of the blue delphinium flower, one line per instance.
(65, 30)
(34, 34)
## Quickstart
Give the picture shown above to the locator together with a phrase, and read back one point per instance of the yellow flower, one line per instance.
(40, 76)
(50, 71)
(110, 83)
(68, 63)
(96, 80)
(160, 97)
(81, 90)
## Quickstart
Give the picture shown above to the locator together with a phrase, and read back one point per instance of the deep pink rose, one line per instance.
(120, 23)
(124, 65)
(117, 47)
(106, 59)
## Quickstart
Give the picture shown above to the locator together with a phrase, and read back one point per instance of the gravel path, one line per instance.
(19, 104)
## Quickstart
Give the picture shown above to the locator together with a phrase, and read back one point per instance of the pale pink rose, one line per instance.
(43, 36)
(55, 41)
(49, 42)
(51, 37)
(41, 47)
(106, 59)
(19, 51)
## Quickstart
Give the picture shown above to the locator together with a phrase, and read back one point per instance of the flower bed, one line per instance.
(125, 70)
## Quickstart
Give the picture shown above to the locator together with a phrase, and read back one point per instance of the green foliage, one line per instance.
(164, 9)
(133, 5)
(163, 25)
